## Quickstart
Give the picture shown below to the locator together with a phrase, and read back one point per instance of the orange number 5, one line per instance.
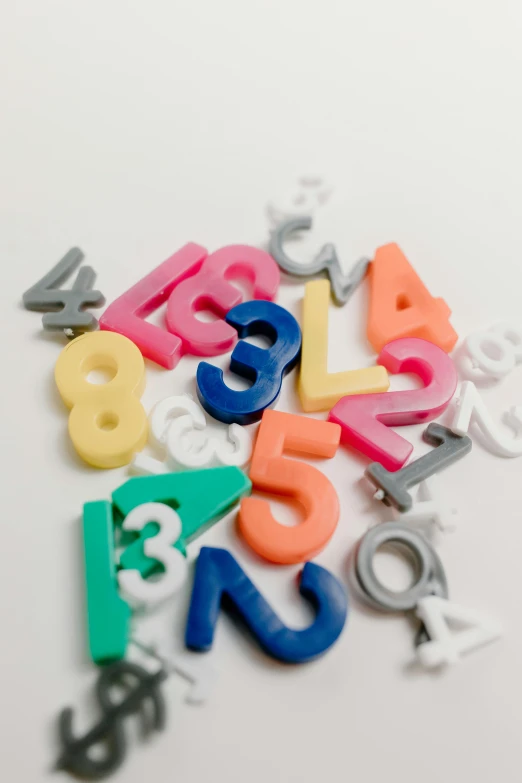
(271, 472)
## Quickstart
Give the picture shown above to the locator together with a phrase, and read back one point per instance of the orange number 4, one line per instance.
(402, 306)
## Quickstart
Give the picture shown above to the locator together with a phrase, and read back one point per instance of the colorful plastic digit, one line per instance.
(218, 575)
(402, 306)
(211, 289)
(318, 389)
(265, 368)
(365, 419)
(107, 423)
(158, 547)
(108, 615)
(45, 296)
(200, 497)
(271, 472)
(126, 315)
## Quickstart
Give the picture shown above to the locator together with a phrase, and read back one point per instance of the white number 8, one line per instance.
(131, 582)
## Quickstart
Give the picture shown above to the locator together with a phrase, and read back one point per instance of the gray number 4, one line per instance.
(64, 308)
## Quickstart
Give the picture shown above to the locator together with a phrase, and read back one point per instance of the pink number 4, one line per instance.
(190, 280)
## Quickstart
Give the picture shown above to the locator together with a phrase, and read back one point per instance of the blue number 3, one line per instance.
(264, 367)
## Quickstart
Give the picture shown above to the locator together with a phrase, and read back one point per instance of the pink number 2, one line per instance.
(365, 418)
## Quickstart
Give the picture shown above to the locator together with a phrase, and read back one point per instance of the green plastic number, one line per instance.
(200, 497)
(108, 615)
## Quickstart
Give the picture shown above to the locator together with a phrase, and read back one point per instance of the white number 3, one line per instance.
(131, 582)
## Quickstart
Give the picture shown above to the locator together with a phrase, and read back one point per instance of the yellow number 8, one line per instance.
(107, 423)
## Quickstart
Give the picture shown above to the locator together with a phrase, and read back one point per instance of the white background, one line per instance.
(129, 128)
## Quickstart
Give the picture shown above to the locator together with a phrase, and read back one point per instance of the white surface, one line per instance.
(129, 128)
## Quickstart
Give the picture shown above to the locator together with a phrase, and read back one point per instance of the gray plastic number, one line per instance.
(64, 308)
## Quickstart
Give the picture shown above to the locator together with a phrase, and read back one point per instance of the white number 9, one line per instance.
(492, 353)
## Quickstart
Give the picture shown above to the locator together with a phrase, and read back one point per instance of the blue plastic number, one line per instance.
(219, 575)
(264, 367)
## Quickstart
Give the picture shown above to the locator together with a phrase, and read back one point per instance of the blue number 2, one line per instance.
(219, 575)
(264, 367)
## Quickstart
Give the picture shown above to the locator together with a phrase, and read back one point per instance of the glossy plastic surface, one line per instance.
(108, 614)
(211, 289)
(318, 389)
(305, 484)
(219, 575)
(402, 306)
(200, 497)
(264, 367)
(107, 422)
(365, 419)
(160, 548)
(127, 314)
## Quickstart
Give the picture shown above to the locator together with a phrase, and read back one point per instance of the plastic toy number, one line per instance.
(108, 614)
(265, 368)
(218, 575)
(492, 353)
(107, 423)
(172, 421)
(445, 646)
(210, 289)
(200, 497)
(401, 305)
(158, 547)
(319, 389)
(127, 314)
(471, 409)
(45, 296)
(271, 472)
(365, 419)
(190, 280)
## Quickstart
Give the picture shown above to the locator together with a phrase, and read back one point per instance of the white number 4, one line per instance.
(446, 646)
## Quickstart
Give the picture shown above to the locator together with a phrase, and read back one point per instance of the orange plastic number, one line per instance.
(107, 423)
(402, 306)
(271, 472)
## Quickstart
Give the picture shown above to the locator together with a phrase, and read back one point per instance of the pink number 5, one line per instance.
(365, 418)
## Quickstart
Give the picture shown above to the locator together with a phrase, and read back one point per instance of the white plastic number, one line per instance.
(213, 452)
(131, 582)
(191, 666)
(446, 646)
(167, 410)
(171, 422)
(430, 507)
(492, 353)
(308, 194)
(470, 409)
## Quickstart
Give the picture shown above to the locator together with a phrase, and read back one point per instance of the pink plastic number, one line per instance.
(127, 313)
(365, 418)
(210, 289)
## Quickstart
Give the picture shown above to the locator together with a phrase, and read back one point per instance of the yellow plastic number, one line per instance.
(107, 423)
(319, 390)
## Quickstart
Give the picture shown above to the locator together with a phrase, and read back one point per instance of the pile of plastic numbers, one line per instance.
(154, 515)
